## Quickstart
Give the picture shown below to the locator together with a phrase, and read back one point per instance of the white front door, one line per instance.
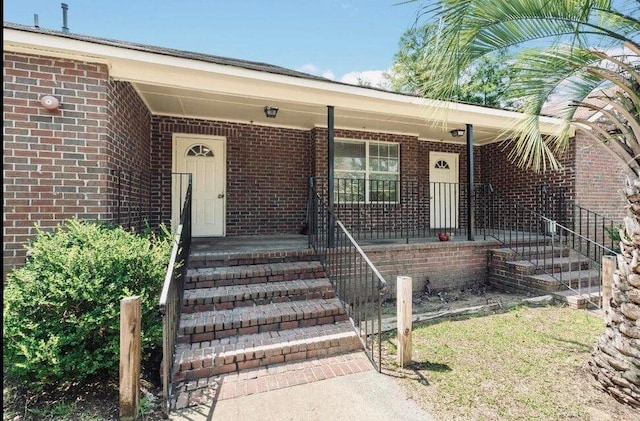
(204, 157)
(444, 190)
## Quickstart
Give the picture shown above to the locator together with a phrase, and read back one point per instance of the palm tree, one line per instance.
(585, 53)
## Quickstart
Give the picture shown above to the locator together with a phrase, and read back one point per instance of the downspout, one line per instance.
(470, 192)
(331, 223)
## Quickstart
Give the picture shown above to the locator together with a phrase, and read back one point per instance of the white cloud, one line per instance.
(373, 78)
(314, 70)
(329, 74)
(309, 68)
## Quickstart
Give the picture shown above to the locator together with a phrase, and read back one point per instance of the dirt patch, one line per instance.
(93, 400)
(442, 301)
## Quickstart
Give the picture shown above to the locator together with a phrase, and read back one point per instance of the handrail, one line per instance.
(172, 290)
(358, 283)
(523, 230)
(382, 283)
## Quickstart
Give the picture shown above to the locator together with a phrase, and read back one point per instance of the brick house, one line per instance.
(129, 115)
(106, 130)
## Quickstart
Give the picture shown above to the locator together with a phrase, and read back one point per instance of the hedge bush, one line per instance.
(62, 309)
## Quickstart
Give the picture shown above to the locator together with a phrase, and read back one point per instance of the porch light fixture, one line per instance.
(270, 112)
(457, 132)
(50, 102)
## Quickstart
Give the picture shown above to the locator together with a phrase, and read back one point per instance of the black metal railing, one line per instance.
(358, 283)
(403, 210)
(555, 249)
(173, 287)
(596, 227)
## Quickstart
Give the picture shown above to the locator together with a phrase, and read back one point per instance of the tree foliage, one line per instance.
(484, 83)
(577, 53)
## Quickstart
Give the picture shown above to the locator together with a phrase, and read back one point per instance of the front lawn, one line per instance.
(525, 364)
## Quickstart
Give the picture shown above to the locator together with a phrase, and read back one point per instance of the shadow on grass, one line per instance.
(415, 370)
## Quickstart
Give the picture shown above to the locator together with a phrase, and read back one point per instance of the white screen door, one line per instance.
(443, 189)
(204, 158)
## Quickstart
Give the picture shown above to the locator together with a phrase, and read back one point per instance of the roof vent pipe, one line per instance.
(35, 20)
(65, 28)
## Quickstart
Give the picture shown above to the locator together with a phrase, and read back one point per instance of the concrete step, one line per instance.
(210, 259)
(209, 325)
(583, 298)
(231, 296)
(209, 358)
(540, 251)
(563, 280)
(549, 265)
(209, 277)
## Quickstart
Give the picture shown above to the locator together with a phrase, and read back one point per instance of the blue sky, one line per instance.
(333, 38)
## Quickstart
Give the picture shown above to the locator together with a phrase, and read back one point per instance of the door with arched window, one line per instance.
(204, 158)
(444, 190)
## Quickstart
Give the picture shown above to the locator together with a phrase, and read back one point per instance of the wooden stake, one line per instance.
(608, 268)
(404, 301)
(130, 328)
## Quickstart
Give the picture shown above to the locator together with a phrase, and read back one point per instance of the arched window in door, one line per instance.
(442, 164)
(200, 150)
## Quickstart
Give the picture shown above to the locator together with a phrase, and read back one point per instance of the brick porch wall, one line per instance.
(129, 155)
(519, 184)
(267, 173)
(600, 178)
(449, 266)
(414, 168)
(54, 162)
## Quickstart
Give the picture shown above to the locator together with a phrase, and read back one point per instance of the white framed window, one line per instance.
(366, 171)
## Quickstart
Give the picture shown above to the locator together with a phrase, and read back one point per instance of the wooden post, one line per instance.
(608, 268)
(130, 328)
(404, 303)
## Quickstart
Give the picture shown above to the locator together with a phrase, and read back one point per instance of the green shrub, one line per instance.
(62, 309)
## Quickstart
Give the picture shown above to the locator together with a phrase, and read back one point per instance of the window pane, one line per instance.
(374, 164)
(392, 165)
(383, 188)
(349, 187)
(393, 151)
(383, 151)
(350, 156)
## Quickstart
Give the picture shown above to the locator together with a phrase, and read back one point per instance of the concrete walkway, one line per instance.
(365, 395)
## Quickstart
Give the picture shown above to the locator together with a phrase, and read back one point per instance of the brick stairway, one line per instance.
(541, 270)
(244, 311)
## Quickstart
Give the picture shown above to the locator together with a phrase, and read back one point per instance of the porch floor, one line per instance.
(256, 243)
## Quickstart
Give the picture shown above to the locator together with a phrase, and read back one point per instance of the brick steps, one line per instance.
(554, 270)
(210, 259)
(231, 296)
(208, 325)
(209, 358)
(574, 279)
(583, 298)
(247, 274)
(251, 310)
(546, 265)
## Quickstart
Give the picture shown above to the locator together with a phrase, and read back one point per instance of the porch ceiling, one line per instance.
(192, 85)
(181, 102)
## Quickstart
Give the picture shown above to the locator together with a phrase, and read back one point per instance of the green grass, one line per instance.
(526, 364)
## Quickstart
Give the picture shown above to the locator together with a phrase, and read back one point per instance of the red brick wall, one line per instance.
(54, 162)
(432, 261)
(519, 184)
(63, 164)
(600, 178)
(267, 172)
(129, 155)
(412, 212)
